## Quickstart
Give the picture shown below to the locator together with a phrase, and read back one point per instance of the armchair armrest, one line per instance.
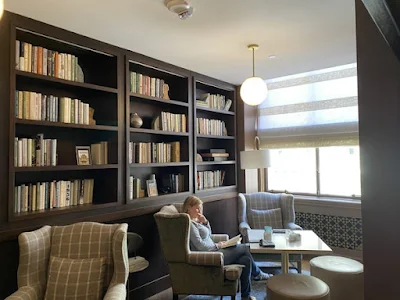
(26, 293)
(202, 258)
(243, 227)
(116, 292)
(219, 237)
(292, 226)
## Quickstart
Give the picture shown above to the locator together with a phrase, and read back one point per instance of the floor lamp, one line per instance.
(256, 159)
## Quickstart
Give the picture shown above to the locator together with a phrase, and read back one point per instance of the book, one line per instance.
(232, 242)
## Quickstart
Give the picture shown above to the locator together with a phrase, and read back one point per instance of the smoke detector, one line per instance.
(180, 7)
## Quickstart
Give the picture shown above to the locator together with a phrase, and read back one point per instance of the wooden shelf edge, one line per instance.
(160, 132)
(61, 210)
(160, 165)
(222, 137)
(65, 168)
(216, 189)
(161, 100)
(67, 82)
(210, 163)
(159, 197)
(214, 110)
(66, 125)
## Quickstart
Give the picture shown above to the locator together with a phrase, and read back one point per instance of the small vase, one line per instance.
(136, 121)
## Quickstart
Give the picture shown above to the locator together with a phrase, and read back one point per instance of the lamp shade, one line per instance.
(253, 91)
(254, 159)
(1, 8)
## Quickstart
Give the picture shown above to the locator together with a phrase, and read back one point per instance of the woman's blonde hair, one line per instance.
(190, 202)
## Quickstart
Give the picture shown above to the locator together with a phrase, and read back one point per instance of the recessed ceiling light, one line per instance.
(272, 56)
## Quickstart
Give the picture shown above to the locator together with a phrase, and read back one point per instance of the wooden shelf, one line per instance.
(216, 189)
(161, 197)
(61, 210)
(159, 132)
(219, 111)
(66, 125)
(211, 163)
(222, 137)
(66, 82)
(160, 165)
(159, 100)
(65, 168)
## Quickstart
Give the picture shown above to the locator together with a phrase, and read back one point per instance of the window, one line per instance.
(329, 171)
(309, 122)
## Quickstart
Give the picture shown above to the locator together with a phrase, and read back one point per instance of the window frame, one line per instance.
(318, 185)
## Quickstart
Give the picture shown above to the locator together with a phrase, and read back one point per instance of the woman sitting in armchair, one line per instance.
(200, 240)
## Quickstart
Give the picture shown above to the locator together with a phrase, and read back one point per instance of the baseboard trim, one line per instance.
(151, 288)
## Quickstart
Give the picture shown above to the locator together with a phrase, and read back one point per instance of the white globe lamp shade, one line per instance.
(253, 91)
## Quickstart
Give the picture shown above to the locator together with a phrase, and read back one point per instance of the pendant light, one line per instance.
(253, 90)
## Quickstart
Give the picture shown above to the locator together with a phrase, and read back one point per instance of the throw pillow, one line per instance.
(260, 218)
(80, 279)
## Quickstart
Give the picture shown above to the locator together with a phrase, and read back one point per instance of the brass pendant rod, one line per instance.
(254, 67)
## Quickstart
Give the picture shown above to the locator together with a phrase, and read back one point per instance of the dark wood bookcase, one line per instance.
(148, 108)
(203, 85)
(107, 89)
(102, 89)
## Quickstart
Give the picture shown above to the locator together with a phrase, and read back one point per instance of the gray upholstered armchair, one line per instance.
(197, 273)
(267, 209)
(68, 259)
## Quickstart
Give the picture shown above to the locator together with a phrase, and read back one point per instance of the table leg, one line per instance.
(285, 262)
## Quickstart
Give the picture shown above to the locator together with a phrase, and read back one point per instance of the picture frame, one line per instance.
(83, 155)
(151, 188)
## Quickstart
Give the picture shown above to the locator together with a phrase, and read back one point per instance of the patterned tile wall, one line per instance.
(341, 232)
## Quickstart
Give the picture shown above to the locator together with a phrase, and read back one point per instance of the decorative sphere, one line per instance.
(253, 91)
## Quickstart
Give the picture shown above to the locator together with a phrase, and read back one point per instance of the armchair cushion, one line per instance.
(80, 279)
(205, 258)
(233, 272)
(219, 238)
(260, 218)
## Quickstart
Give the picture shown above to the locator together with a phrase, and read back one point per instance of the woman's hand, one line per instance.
(202, 219)
(220, 244)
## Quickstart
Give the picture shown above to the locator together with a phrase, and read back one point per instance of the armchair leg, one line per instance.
(175, 297)
(233, 297)
(299, 266)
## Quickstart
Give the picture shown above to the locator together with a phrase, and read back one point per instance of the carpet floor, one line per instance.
(258, 288)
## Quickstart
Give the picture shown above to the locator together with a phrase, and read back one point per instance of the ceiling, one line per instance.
(304, 35)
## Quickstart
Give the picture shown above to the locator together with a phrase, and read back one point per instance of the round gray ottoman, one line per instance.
(296, 287)
(344, 276)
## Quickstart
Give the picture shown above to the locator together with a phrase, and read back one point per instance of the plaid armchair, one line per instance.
(198, 273)
(267, 209)
(86, 240)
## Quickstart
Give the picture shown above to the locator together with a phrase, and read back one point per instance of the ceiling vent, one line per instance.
(180, 7)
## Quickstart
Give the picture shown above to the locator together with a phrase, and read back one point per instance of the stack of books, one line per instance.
(214, 155)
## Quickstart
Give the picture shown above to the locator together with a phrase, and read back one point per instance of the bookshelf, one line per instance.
(210, 98)
(162, 146)
(51, 112)
(103, 92)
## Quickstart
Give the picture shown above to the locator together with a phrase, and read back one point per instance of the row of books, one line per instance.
(210, 179)
(38, 151)
(154, 152)
(55, 194)
(135, 188)
(39, 60)
(99, 153)
(36, 106)
(211, 127)
(146, 85)
(214, 101)
(170, 122)
(173, 183)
